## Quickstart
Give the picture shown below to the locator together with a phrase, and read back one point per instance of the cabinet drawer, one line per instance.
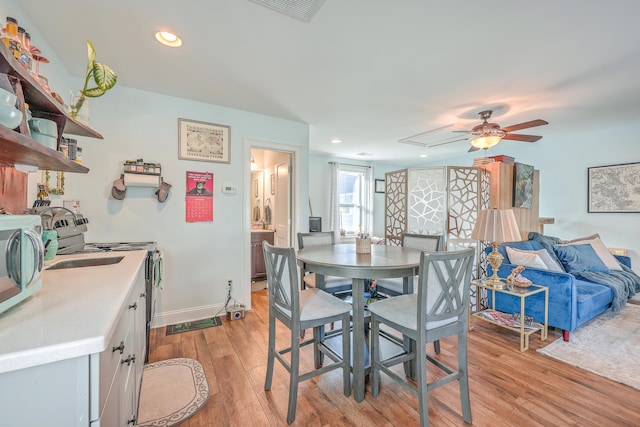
(119, 348)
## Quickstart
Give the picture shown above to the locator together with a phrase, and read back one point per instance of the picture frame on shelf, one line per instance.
(204, 142)
(380, 186)
(612, 188)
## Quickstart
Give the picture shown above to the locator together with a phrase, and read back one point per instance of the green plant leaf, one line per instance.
(91, 54)
(104, 76)
(94, 92)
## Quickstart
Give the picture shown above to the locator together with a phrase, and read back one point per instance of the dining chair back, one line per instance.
(438, 310)
(399, 286)
(298, 310)
(331, 284)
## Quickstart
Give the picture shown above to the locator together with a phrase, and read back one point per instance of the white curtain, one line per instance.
(335, 210)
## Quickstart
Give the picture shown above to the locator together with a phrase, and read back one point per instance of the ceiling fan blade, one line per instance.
(472, 149)
(525, 125)
(519, 137)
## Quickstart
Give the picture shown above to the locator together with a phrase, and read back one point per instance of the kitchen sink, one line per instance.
(85, 262)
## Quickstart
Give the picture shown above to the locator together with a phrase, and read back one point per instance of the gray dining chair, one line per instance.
(438, 310)
(400, 286)
(298, 310)
(331, 284)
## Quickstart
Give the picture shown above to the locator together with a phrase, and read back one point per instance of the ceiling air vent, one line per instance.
(303, 10)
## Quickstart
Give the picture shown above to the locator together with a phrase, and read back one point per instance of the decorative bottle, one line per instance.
(10, 37)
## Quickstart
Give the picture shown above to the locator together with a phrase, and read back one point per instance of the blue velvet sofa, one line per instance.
(572, 300)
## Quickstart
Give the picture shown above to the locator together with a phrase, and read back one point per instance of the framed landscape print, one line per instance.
(614, 188)
(522, 185)
(206, 142)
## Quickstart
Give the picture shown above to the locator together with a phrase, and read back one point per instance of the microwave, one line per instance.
(21, 258)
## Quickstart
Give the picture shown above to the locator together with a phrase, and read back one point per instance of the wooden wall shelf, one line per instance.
(17, 146)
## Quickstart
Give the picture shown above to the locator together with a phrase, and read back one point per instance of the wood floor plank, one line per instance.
(508, 387)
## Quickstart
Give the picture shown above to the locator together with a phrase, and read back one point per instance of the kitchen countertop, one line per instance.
(74, 314)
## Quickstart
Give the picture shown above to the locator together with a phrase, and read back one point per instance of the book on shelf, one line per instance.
(511, 320)
(503, 159)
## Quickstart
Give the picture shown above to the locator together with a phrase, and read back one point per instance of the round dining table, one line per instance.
(342, 260)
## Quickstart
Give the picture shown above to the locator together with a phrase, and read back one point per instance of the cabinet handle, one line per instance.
(134, 306)
(120, 347)
(143, 295)
(132, 421)
(129, 360)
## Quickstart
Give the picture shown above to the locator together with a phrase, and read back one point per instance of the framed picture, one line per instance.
(522, 185)
(273, 184)
(614, 188)
(205, 142)
(379, 188)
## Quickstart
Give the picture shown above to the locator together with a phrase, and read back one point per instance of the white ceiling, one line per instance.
(372, 72)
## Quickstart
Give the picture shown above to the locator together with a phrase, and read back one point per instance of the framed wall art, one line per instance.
(380, 186)
(206, 142)
(522, 185)
(614, 188)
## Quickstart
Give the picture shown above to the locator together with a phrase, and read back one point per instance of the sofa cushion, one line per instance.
(601, 250)
(579, 258)
(533, 259)
(592, 299)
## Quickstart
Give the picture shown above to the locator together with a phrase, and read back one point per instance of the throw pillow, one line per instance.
(578, 258)
(527, 258)
(601, 250)
(521, 257)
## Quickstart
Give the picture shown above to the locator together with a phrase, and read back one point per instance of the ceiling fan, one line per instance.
(486, 135)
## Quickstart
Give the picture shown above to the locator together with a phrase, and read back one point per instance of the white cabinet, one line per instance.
(94, 390)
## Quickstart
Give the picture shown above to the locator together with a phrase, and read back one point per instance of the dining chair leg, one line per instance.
(270, 352)
(346, 356)
(294, 374)
(318, 356)
(421, 374)
(374, 356)
(465, 401)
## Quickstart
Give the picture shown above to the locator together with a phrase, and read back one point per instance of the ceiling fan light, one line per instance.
(485, 142)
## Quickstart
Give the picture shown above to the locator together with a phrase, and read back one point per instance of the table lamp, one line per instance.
(496, 226)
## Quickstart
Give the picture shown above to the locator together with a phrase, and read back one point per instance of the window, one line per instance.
(351, 199)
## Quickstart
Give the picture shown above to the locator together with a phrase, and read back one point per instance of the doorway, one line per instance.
(271, 206)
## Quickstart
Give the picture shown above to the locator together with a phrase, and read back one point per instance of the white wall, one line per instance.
(199, 257)
(563, 167)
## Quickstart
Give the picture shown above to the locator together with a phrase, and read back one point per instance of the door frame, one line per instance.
(296, 212)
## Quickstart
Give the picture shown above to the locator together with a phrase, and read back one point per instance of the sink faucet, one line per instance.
(49, 208)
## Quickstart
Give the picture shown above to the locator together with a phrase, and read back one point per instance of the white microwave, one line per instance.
(21, 258)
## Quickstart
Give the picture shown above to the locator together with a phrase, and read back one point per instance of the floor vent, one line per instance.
(303, 10)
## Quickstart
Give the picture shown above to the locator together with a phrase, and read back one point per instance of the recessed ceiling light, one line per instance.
(424, 155)
(336, 141)
(168, 39)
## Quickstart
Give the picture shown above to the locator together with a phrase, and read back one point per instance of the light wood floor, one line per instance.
(508, 388)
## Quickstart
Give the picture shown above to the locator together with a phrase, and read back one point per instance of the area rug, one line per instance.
(607, 345)
(172, 391)
(193, 325)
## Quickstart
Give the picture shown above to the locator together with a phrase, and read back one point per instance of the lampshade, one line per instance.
(496, 225)
(485, 142)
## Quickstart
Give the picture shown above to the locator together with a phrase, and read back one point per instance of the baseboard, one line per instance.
(179, 316)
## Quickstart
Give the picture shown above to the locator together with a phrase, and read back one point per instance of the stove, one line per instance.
(117, 247)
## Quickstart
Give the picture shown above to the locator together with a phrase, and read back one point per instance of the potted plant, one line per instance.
(103, 77)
